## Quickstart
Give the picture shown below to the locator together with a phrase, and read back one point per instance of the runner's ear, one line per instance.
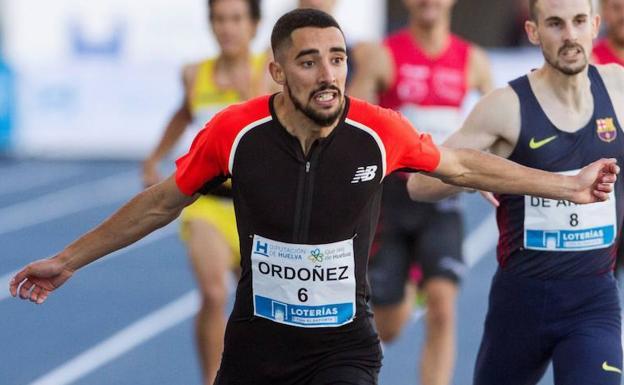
(277, 73)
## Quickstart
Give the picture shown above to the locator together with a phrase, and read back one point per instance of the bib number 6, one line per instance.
(303, 294)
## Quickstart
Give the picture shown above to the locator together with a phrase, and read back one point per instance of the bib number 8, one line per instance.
(303, 294)
(574, 221)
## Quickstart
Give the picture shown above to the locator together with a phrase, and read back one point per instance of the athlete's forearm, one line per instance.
(174, 130)
(428, 189)
(146, 212)
(483, 171)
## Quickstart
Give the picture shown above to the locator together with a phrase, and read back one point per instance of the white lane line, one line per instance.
(123, 341)
(68, 201)
(38, 178)
(153, 237)
(476, 246)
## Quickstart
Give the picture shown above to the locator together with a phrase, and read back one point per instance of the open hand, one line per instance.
(38, 279)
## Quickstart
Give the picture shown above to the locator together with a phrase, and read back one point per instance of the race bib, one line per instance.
(560, 225)
(303, 285)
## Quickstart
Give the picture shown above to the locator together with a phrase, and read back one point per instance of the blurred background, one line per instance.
(86, 88)
(99, 79)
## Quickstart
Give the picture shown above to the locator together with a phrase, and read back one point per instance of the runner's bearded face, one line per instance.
(233, 26)
(315, 70)
(428, 13)
(613, 16)
(565, 31)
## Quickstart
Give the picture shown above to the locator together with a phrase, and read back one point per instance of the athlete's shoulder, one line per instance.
(497, 113)
(502, 97)
(190, 69)
(372, 115)
(240, 115)
(612, 74)
(458, 41)
(398, 37)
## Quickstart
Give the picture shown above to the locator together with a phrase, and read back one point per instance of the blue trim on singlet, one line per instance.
(569, 151)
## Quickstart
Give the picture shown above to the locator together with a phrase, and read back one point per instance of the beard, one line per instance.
(567, 69)
(320, 118)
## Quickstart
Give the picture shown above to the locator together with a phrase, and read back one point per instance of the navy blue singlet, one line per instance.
(544, 238)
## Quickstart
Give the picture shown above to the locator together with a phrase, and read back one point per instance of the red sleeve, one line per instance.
(207, 163)
(206, 160)
(410, 149)
(405, 147)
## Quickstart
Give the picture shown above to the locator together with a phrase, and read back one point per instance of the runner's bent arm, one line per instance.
(146, 212)
(173, 131)
(480, 71)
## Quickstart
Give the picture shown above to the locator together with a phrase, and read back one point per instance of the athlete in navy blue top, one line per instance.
(306, 166)
(554, 296)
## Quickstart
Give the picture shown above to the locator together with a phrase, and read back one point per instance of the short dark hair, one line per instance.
(254, 9)
(533, 8)
(296, 19)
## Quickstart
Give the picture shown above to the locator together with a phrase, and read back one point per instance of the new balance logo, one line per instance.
(364, 174)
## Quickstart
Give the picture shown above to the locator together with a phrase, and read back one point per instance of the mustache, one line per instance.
(568, 45)
(325, 87)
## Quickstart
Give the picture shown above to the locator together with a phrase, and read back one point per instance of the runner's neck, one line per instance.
(433, 40)
(299, 125)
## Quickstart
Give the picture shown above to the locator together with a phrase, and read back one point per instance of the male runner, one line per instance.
(306, 167)
(426, 77)
(208, 226)
(554, 296)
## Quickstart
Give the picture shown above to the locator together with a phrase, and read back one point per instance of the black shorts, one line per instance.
(261, 352)
(423, 233)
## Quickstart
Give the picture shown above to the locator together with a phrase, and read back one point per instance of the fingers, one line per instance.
(29, 290)
(607, 178)
(614, 168)
(488, 196)
(24, 291)
(15, 282)
(43, 295)
(34, 293)
(38, 295)
(604, 187)
(601, 195)
(610, 165)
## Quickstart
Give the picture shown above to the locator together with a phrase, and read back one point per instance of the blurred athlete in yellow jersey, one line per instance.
(208, 225)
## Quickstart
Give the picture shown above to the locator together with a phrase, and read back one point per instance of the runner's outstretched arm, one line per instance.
(483, 171)
(146, 212)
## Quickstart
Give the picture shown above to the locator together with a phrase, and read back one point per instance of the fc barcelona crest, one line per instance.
(606, 129)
